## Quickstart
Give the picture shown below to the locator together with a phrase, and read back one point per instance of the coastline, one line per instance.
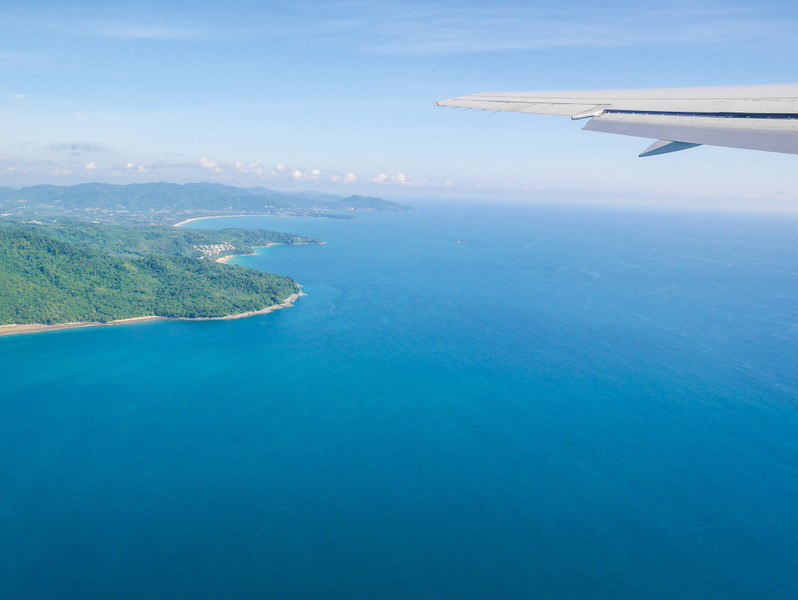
(221, 217)
(15, 329)
(224, 259)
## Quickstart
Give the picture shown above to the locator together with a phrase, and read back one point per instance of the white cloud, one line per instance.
(211, 165)
(92, 166)
(350, 178)
(399, 178)
(237, 169)
(247, 169)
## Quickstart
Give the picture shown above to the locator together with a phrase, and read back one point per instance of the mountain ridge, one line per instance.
(162, 202)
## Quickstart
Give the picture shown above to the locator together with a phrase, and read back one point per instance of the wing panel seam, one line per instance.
(715, 115)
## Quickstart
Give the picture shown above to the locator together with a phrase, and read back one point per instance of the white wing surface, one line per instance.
(763, 117)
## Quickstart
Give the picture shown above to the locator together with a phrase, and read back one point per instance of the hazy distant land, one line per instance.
(169, 203)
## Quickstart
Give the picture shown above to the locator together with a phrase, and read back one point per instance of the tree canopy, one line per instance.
(47, 280)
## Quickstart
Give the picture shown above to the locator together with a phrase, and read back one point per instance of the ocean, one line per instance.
(474, 400)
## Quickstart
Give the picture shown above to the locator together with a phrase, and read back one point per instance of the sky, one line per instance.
(339, 96)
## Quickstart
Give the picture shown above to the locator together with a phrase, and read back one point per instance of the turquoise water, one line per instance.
(473, 401)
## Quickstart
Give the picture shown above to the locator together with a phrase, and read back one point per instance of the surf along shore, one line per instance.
(15, 329)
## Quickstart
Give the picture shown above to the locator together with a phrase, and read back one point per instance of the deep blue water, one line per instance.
(473, 401)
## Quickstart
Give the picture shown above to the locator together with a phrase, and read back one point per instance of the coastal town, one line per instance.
(213, 251)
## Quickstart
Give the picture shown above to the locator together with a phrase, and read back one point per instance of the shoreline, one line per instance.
(224, 259)
(15, 329)
(222, 217)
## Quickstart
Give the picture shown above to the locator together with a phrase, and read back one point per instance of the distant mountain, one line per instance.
(365, 203)
(175, 199)
(305, 195)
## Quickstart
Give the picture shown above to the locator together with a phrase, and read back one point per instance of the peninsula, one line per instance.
(74, 274)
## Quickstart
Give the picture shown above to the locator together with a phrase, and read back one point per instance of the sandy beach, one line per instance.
(224, 259)
(221, 217)
(37, 327)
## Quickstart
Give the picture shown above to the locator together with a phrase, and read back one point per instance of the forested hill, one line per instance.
(136, 242)
(44, 280)
(169, 202)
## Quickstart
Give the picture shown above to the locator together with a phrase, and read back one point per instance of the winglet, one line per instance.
(665, 146)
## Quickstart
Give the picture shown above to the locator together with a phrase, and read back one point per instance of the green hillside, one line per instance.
(44, 280)
(136, 242)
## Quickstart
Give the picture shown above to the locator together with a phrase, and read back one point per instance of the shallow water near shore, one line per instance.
(472, 401)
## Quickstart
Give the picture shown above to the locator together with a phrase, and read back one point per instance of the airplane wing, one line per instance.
(761, 117)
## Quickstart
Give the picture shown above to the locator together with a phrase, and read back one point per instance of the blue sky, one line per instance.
(338, 96)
